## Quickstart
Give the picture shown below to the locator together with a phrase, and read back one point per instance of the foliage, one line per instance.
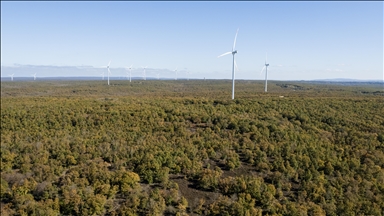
(85, 148)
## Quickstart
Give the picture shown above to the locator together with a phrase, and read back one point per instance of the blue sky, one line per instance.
(304, 40)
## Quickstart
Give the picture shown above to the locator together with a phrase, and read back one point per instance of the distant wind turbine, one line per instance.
(175, 73)
(144, 74)
(266, 73)
(109, 72)
(233, 64)
(158, 76)
(130, 68)
(11, 75)
(34, 76)
(103, 73)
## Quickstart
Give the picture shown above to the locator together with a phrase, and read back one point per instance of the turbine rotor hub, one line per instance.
(234, 52)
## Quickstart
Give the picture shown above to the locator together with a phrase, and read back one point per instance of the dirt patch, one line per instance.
(193, 195)
(244, 169)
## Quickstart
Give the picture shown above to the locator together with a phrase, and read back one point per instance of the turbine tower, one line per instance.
(102, 75)
(266, 72)
(11, 75)
(233, 64)
(34, 76)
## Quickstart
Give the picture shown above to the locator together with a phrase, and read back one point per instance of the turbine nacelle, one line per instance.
(234, 52)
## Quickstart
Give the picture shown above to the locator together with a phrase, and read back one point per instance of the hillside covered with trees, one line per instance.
(186, 148)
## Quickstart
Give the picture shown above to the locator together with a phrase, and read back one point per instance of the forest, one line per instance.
(185, 148)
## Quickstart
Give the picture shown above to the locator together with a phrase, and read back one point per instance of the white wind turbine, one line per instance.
(11, 75)
(175, 73)
(109, 72)
(144, 74)
(130, 74)
(266, 72)
(158, 76)
(34, 76)
(233, 64)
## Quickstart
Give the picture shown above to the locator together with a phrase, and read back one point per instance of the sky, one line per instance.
(302, 40)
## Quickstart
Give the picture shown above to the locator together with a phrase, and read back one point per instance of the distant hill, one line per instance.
(345, 80)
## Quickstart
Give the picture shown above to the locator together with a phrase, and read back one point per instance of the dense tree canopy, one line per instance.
(183, 147)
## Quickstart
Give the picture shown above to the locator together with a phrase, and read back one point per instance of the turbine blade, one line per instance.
(237, 69)
(262, 70)
(234, 43)
(224, 54)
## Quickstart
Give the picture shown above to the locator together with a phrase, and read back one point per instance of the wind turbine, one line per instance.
(158, 76)
(266, 72)
(130, 68)
(109, 72)
(102, 75)
(176, 73)
(144, 74)
(34, 76)
(233, 64)
(11, 76)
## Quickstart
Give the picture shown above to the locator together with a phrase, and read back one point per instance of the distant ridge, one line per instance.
(139, 78)
(345, 80)
(79, 78)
